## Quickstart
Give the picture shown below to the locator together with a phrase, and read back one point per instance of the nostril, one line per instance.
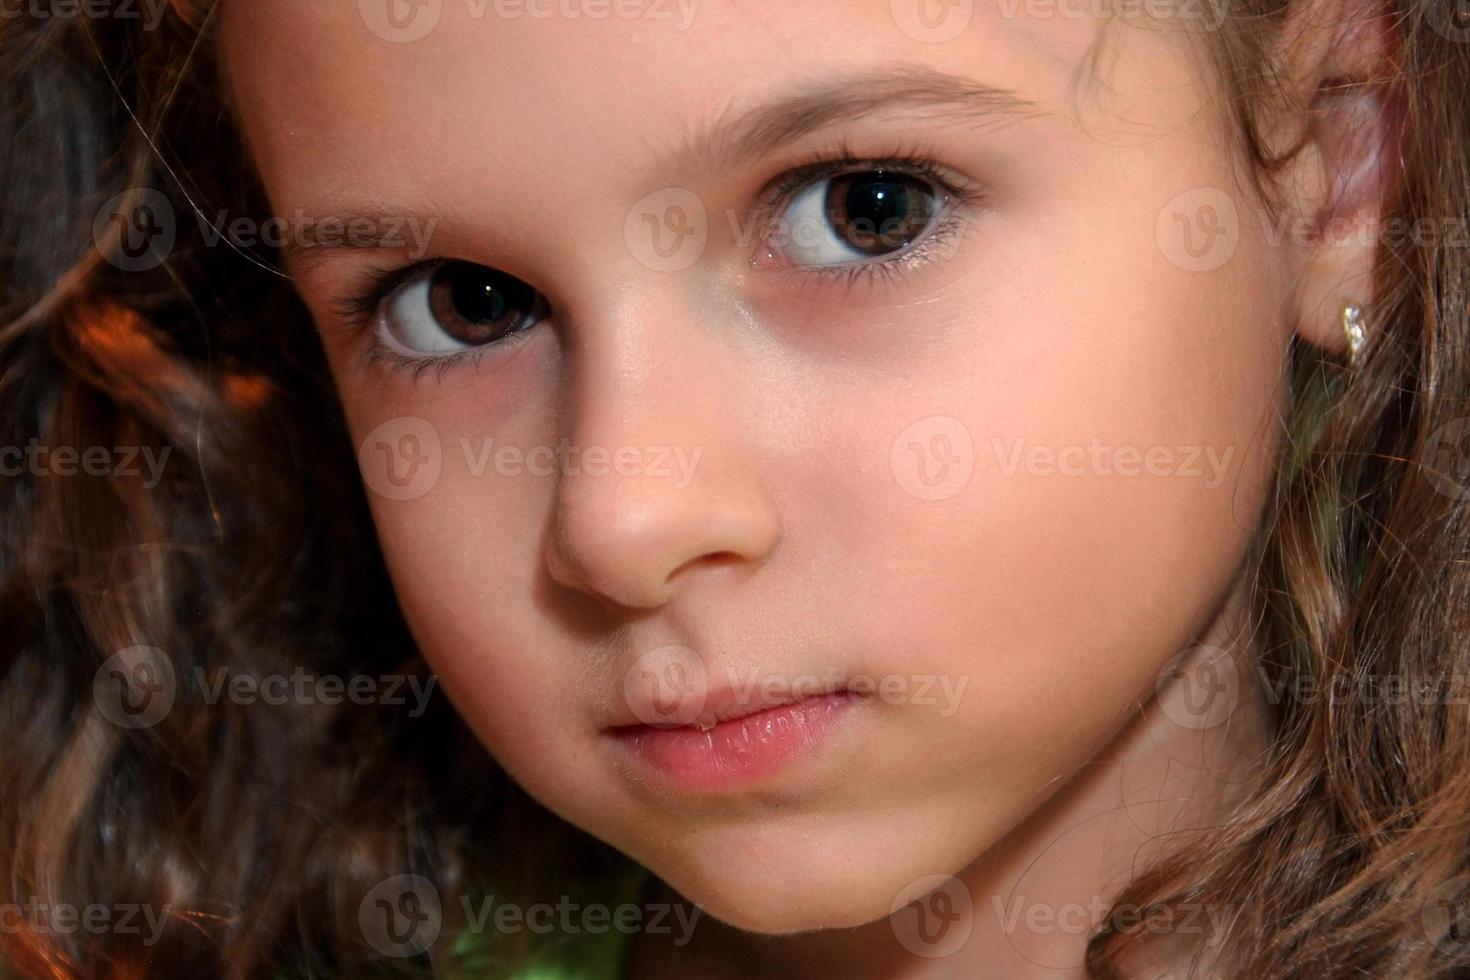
(619, 575)
(716, 559)
(634, 541)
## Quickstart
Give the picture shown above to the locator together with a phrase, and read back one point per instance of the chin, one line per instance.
(779, 911)
(773, 890)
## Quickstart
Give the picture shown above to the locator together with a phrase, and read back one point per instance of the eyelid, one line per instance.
(376, 354)
(948, 230)
(363, 303)
(913, 160)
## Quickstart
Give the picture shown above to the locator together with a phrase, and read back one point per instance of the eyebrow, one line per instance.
(356, 226)
(934, 95)
(758, 131)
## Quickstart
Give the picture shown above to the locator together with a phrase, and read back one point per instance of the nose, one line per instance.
(668, 489)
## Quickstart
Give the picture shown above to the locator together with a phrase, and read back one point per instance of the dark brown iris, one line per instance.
(878, 212)
(476, 305)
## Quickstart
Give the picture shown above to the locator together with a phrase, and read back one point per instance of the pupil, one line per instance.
(877, 212)
(477, 305)
(480, 298)
(878, 199)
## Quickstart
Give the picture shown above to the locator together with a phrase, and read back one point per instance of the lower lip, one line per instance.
(741, 750)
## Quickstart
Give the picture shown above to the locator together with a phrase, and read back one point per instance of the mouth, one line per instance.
(734, 743)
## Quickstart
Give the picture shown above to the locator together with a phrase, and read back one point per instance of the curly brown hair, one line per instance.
(259, 833)
(255, 833)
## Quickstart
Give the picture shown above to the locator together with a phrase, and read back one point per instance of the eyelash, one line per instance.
(363, 305)
(912, 161)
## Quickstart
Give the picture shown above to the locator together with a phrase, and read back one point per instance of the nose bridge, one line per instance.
(632, 383)
(663, 480)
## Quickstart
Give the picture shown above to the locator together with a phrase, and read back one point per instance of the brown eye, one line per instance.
(877, 212)
(858, 217)
(458, 305)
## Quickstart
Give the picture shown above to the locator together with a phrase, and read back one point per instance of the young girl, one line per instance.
(550, 488)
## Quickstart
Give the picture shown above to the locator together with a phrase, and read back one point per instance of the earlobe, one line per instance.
(1335, 290)
(1351, 133)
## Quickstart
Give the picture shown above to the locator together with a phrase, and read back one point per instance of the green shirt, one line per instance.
(580, 954)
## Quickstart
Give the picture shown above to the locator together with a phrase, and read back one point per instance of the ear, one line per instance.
(1335, 60)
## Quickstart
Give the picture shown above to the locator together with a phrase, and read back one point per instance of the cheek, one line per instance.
(462, 542)
(466, 566)
(1054, 507)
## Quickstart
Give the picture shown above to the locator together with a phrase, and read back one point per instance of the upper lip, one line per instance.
(729, 704)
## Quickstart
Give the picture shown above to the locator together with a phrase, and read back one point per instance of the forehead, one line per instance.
(426, 92)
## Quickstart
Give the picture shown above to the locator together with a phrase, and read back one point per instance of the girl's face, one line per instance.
(904, 355)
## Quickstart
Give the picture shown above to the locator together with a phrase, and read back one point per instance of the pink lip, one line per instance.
(737, 750)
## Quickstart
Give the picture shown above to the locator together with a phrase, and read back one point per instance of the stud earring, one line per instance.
(1355, 327)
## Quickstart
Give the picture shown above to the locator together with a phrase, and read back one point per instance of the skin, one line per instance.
(1060, 317)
